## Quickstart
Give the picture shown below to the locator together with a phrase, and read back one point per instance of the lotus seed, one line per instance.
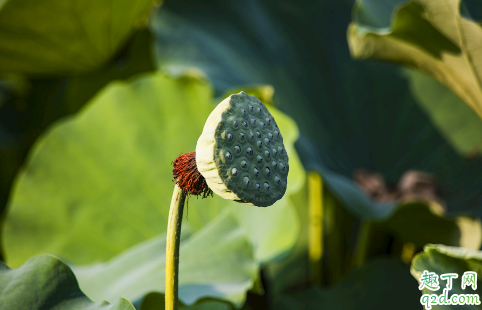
(249, 150)
(237, 149)
(275, 152)
(282, 167)
(277, 180)
(268, 121)
(274, 164)
(267, 153)
(230, 137)
(270, 136)
(241, 136)
(262, 124)
(277, 134)
(251, 108)
(268, 172)
(266, 186)
(244, 164)
(260, 159)
(260, 144)
(228, 155)
(243, 111)
(280, 149)
(266, 140)
(245, 125)
(253, 121)
(251, 136)
(259, 111)
(257, 187)
(258, 134)
(256, 172)
(246, 180)
(234, 171)
(235, 124)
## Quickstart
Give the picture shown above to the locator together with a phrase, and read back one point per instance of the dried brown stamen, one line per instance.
(188, 177)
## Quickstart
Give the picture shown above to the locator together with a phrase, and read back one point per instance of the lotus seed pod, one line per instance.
(239, 141)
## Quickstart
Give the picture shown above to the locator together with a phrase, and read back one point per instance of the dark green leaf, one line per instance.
(44, 282)
(378, 284)
(420, 223)
(58, 37)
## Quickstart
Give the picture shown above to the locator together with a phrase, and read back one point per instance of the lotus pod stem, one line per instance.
(172, 248)
(240, 156)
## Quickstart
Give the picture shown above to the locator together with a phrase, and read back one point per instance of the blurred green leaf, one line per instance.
(441, 40)
(381, 282)
(101, 182)
(215, 262)
(31, 105)
(446, 259)
(44, 282)
(454, 119)
(351, 114)
(65, 37)
(422, 222)
(155, 301)
(104, 178)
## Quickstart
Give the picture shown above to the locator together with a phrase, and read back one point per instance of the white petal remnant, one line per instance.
(241, 135)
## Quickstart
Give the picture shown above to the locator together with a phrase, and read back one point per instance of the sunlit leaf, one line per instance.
(215, 262)
(446, 259)
(438, 38)
(454, 119)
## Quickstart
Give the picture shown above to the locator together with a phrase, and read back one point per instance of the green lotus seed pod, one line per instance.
(241, 154)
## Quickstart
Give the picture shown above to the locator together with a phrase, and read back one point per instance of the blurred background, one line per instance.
(379, 103)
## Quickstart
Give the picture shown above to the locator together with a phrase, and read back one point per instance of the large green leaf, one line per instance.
(378, 284)
(101, 182)
(215, 262)
(445, 259)
(33, 104)
(439, 38)
(44, 282)
(351, 114)
(65, 36)
(112, 186)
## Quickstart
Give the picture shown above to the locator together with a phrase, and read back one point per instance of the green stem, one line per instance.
(172, 248)
(315, 248)
(363, 243)
(335, 231)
